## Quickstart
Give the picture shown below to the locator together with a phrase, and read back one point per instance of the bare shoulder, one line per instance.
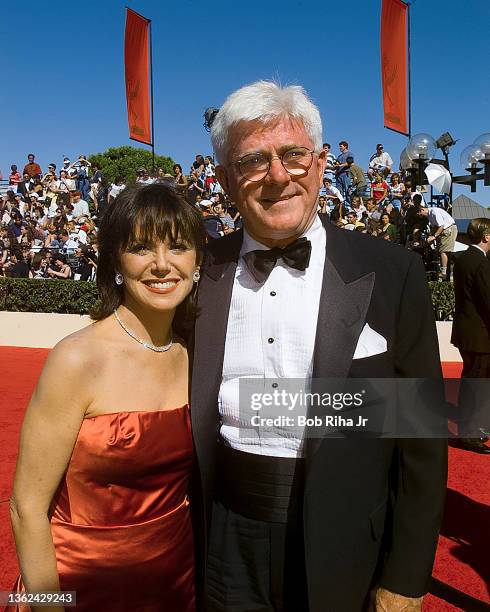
(72, 363)
(78, 350)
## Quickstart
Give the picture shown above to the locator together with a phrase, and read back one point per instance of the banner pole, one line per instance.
(151, 98)
(409, 77)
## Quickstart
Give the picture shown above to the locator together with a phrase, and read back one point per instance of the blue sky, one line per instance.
(63, 75)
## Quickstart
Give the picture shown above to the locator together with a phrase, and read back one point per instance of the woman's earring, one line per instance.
(119, 278)
(196, 276)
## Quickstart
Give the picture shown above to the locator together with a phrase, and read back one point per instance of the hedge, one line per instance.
(77, 297)
(47, 295)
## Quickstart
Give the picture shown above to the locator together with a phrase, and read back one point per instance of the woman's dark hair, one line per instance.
(37, 259)
(177, 166)
(145, 214)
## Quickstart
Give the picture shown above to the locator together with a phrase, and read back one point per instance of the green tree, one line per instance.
(125, 162)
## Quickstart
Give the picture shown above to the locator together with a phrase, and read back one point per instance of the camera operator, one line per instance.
(86, 263)
(39, 265)
(17, 266)
(60, 269)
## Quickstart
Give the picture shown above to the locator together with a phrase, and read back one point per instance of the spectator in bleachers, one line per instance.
(379, 189)
(66, 183)
(357, 206)
(331, 194)
(198, 167)
(25, 185)
(209, 172)
(180, 178)
(81, 170)
(353, 222)
(196, 188)
(116, 188)
(144, 177)
(80, 207)
(342, 170)
(15, 176)
(387, 230)
(32, 168)
(101, 193)
(397, 190)
(359, 186)
(225, 217)
(380, 162)
(330, 160)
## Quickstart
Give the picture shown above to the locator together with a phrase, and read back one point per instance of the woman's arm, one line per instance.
(49, 432)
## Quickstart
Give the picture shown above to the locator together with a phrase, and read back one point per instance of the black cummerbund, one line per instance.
(260, 487)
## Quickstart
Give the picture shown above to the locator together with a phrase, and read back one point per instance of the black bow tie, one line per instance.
(296, 255)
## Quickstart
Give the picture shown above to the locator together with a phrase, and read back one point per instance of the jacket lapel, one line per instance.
(344, 302)
(215, 290)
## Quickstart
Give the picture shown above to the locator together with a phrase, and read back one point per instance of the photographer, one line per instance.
(60, 269)
(39, 265)
(86, 263)
(17, 267)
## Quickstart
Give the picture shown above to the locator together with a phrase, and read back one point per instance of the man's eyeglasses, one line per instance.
(255, 166)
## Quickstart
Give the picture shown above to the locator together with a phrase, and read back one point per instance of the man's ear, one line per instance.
(322, 160)
(222, 177)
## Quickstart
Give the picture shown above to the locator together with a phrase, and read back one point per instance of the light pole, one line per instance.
(421, 149)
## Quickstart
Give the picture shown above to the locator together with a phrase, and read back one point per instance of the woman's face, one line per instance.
(158, 276)
(385, 219)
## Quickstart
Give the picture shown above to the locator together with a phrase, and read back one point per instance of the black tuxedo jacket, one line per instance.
(21, 188)
(471, 325)
(372, 507)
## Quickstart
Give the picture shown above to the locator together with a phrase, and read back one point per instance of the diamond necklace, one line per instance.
(148, 345)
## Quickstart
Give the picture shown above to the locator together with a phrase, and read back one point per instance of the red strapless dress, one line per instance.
(120, 519)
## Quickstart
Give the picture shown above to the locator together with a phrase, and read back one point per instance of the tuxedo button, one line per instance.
(270, 340)
(273, 293)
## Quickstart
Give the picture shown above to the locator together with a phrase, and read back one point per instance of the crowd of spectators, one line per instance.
(48, 221)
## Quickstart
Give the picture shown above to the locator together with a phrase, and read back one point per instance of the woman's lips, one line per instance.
(162, 290)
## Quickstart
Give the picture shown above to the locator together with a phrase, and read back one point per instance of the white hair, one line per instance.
(265, 101)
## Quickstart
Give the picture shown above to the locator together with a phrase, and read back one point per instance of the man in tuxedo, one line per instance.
(471, 334)
(293, 522)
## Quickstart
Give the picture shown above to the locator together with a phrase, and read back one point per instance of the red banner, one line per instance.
(136, 64)
(394, 64)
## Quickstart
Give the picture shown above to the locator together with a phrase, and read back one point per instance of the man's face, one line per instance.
(342, 148)
(30, 158)
(380, 149)
(352, 218)
(280, 207)
(26, 177)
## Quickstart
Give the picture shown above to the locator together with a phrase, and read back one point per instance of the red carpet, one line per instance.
(462, 569)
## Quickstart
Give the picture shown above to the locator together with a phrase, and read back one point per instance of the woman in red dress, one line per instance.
(100, 503)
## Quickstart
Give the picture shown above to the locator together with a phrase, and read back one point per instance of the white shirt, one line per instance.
(438, 217)
(116, 190)
(285, 309)
(80, 208)
(332, 191)
(381, 161)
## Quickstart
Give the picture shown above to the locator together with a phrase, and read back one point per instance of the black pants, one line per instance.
(474, 395)
(255, 566)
